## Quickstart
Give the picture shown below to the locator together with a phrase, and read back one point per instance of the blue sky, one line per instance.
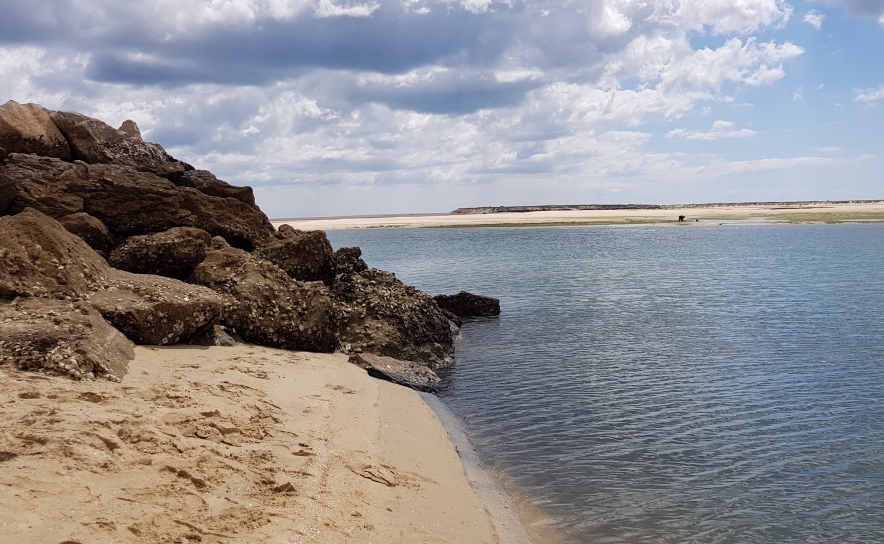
(339, 107)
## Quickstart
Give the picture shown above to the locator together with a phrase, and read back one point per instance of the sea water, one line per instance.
(696, 383)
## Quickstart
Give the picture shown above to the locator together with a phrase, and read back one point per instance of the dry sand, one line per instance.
(799, 212)
(240, 444)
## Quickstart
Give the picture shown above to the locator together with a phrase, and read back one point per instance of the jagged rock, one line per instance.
(95, 142)
(216, 335)
(173, 253)
(154, 310)
(265, 306)
(348, 260)
(405, 373)
(60, 337)
(381, 315)
(38, 257)
(90, 229)
(466, 304)
(219, 243)
(2, 154)
(128, 202)
(455, 320)
(305, 256)
(28, 128)
(130, 128)
(205, 182)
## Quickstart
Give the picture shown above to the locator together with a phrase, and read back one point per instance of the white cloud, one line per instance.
(719, 130)
(327, 8)
(814, 18)
(870, 95)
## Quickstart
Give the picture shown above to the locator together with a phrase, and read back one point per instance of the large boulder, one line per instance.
(38, 257)
(348, 260)
(466, 304)
(61, 338)
(379, 314)
(128, 202)
(265, 306)
(28, 128)
(90, 229)
(206, 182)
(95, 142)
(173, 253)
(154, 310)
(305, 256)
(407, 373)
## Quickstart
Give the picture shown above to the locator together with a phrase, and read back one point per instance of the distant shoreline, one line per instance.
(626, 214)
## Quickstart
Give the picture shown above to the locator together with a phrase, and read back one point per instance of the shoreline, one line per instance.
(817, 212)
(240, 442)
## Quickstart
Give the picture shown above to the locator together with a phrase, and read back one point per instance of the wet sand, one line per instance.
(817, 212)
(244, 444)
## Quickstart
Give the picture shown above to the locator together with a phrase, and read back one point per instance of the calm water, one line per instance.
(689, 384)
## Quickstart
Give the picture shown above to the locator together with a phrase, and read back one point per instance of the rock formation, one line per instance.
(405, 373)
(265, 306)
(380, 314)
(28, 128)
(90, 229)
(127, 201)
(305, 256)
(348, 260)
(466, 304)
(206, 183)
(173, 253)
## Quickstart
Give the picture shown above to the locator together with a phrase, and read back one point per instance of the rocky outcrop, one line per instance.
(466, 304)
(95, 142)
(348, 261)
(405, 373)
(127, 201)
(173, 253)
(28, 128)
(265, 306)
(63, 338)
(216, 335)
(206, 183)
(39, 258)
(90, 229)
(379, 314)
(154, 310)
(305, 256)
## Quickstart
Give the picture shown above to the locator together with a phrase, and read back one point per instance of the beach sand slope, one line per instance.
(229, 444)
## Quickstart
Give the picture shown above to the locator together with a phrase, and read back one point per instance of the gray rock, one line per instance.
(407, 373)
(28, 128)
(173, 253)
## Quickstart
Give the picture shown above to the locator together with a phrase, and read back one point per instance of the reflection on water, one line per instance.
(697, 384)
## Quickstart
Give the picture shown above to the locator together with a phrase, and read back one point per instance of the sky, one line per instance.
(355, 107)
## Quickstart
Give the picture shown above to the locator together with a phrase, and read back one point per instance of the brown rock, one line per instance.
(129, 127)
(381, 315)
(59, 337)
(407, 373)
(216, 335)
(219, 243)
(90, 229)
(348, 260)
(205, 182)
(466, 304)
(265, 306)
(154, 310)
(305, 256)
(128, 202)
(173, 253)
(28, 128)
(38, 257)
(95, 142)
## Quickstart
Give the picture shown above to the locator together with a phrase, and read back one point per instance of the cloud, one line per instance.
(869, 95)
(719, 130)
(814, 18)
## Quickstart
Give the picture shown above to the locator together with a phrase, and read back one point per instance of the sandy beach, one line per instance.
(245, 444)
(822, 212)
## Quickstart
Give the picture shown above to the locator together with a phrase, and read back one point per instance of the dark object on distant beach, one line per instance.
(466, 304)
(407, 373)
(681, 219)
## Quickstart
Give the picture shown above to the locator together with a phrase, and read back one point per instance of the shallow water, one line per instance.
(670, 384)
